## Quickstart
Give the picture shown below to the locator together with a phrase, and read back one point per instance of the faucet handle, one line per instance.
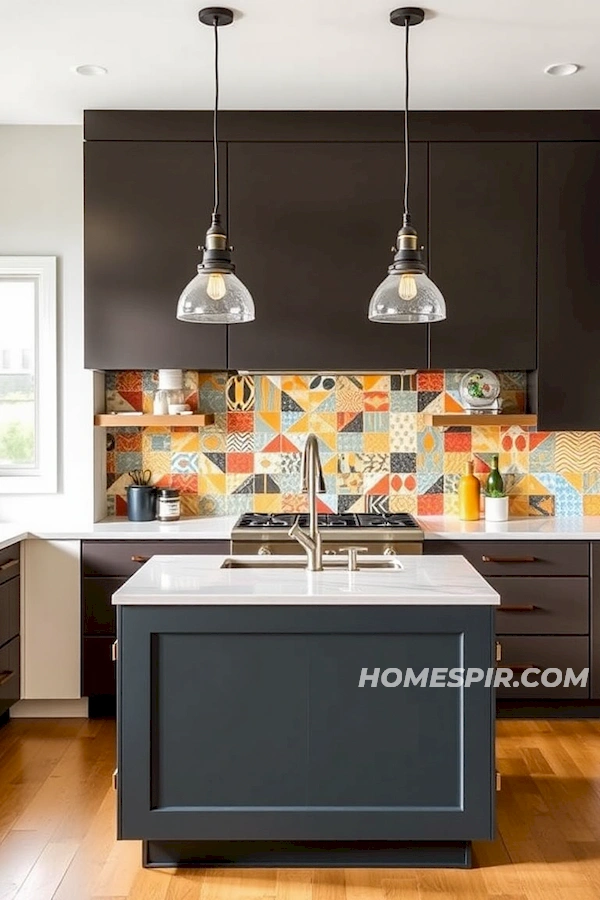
(353, 552)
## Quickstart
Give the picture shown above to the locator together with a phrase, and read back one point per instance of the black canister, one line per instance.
(141, 503)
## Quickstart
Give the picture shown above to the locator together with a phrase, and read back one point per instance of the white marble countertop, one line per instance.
(577, 528)
(560, 528)
(200, 580)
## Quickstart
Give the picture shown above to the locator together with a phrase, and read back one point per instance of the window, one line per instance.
(28, 403)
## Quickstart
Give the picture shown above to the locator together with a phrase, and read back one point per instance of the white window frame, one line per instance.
(44, 478)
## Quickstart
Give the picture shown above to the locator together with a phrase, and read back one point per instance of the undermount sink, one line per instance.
(329, 562)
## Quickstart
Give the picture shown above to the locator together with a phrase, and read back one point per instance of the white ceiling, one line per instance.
(306, 54)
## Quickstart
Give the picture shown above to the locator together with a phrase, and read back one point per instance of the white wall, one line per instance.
(41, 213)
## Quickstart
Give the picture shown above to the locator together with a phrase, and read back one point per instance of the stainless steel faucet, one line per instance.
(312, 483)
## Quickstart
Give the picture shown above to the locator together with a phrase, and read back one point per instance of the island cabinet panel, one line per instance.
(147, 206)
(568, 381)
(240, 723)
(312, 225)
(482, 253)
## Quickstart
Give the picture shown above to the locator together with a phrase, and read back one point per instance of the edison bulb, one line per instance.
(407, 287)
(216, 287)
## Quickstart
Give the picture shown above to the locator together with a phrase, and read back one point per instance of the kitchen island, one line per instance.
(264, 717)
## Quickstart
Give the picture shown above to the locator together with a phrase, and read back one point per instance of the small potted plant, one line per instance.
(496, 505)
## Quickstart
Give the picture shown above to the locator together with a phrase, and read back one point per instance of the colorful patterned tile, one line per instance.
(184, 442)
(267, 503)
(267, 463)
(184, 463)
(239, 442)
(519, 506)
(378, 504)
(350, 421)
(376, 442)
(591, 482)
(350, 483)
(190, 505)
(591, 505)
(577, 451)
(352, 440)
(125, 462)
(430, 401)
(450, 504)
(403, 462)
(485, 438)
(240, 392)
(452, 403)
(405, 483)
(430, 381)
(240, 421)
(457, 441)
(376, 421)
(240, 462)
(430, 483)
(322, 383)
(456, 463)
(403, 432)
(127, 441)
(403, 503)
(403, 401)
(352, 503)
(430, 505)
(430, 453)
(541, 505)
(129, 382)
(270, 421)
(376, 401)
(188, 484)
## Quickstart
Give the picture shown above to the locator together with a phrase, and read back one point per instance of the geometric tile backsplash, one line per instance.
(377, 452)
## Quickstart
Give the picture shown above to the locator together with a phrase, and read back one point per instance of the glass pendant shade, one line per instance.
(407, 298)
(215, 298)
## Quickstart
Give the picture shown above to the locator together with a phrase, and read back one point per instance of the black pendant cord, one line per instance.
(215, 121)
(406, 154)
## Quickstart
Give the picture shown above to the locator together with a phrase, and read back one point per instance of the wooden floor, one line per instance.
(57, 824)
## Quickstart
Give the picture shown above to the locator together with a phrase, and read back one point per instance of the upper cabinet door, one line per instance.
(312, 224)
(147, 206)
(482, 254)
(569, 287)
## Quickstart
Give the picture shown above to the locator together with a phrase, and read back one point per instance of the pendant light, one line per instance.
(216, 295)
(407, 295)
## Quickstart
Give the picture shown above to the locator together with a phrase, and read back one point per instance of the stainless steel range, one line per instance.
(392, 533)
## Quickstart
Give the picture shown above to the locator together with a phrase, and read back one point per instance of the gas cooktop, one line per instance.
(327, 520)
(363, 526)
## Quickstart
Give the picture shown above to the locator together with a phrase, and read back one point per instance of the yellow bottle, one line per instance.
(469, 491)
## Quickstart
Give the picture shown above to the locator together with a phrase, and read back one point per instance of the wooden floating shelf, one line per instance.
(114, 420)
(446, 420)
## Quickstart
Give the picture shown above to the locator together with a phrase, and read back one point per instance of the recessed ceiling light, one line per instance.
(91, 70)
(561, 69)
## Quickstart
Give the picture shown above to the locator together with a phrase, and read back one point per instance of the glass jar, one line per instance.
(168, 505)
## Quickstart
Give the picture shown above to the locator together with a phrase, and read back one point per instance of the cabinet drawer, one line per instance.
(123, 558)
(542, 605)
(98, 614)
(10, 562)
(10, 674)
(522, 557)
(545, 652)
(99, 676)
(9, 609)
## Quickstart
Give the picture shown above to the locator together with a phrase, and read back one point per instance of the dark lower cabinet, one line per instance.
(549, 616)
(568, 379)
(312, 225)
(10, 657)
(147, 207)
(247, 724)
(105, 567)
(482, 252)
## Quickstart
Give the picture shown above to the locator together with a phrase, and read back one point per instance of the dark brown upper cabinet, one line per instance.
(482, 254)
(312, 224)
(147, 207)
(568, 378)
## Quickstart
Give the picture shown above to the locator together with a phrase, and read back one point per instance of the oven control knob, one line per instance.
(329, 552)
(389, 551)
(264, 550)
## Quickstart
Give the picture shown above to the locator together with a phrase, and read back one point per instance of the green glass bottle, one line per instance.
(494, 483)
